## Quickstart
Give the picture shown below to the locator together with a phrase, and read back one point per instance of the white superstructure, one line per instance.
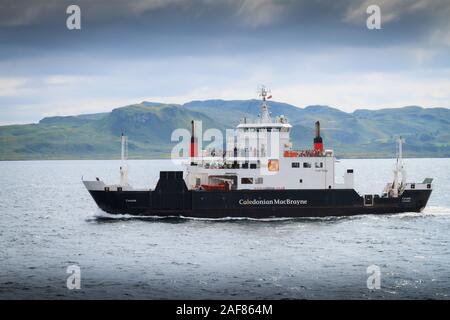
(261, 156)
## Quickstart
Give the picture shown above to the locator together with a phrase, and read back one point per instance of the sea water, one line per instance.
(50, 226)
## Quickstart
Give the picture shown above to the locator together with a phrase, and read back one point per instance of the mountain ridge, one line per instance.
(361, 133)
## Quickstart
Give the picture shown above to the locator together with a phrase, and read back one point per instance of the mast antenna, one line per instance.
(123, 158)
(399, 168)
(264, 93)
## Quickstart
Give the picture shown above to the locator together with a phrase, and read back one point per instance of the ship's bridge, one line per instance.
(263, 136)
(265, 133)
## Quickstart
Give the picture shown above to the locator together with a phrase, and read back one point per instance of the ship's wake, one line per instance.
(101, 216)
(428, 211)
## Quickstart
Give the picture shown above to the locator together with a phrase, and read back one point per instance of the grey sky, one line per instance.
(308, 52)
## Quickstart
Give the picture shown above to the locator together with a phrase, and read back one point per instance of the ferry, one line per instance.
(259, 175)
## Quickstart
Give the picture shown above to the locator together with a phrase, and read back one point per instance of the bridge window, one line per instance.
(319, 164)
(259, 180)
(306, 164)
(295, 164)
(247, 180)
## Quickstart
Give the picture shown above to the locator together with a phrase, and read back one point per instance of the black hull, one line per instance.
(172, 198)
(256, 203)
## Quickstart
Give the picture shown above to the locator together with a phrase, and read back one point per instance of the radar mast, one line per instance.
(123, 160)
(264, 93)
(399, 168)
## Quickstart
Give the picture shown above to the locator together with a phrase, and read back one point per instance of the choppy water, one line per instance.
(48, 222)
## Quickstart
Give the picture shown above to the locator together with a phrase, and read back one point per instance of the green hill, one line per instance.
(363, 133)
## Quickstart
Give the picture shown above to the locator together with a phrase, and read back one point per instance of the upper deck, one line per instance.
(260, 156)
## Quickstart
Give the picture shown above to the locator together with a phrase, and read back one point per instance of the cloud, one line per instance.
(300, 79)
(308, 52)
(261, 12)
(370, 91)
(346, 92)
(11, 86)
(395, 10)
(204, 25)
(250, 12)
(390, 10)
(21, 13)
(61, 80)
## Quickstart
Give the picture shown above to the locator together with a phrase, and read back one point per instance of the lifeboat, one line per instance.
(288, 154)
(215, 187)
